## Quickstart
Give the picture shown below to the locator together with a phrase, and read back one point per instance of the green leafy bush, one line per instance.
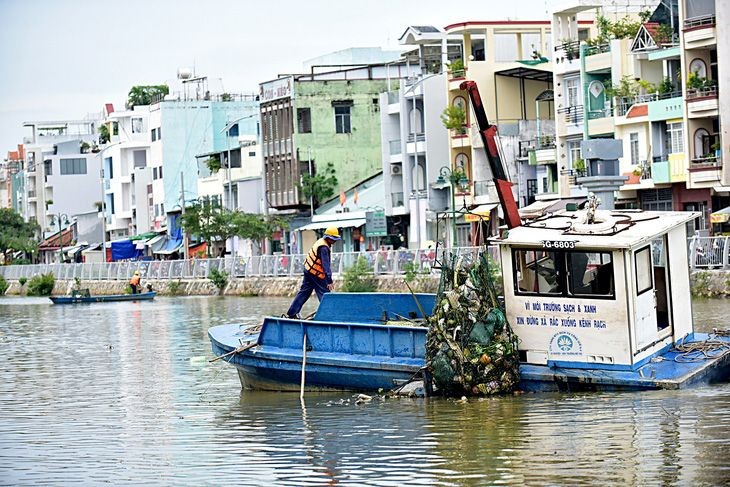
(175, 287)
(41, 285)
(219, 278)
(23, 280)
(3, 285)
(359, 277)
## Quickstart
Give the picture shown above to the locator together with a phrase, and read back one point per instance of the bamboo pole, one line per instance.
(304, 365)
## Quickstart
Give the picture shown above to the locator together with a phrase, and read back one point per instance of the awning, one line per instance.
(481, 212)
(358, 222)
(720, 216)
(172, 245)
(141, 244)
(72, 251)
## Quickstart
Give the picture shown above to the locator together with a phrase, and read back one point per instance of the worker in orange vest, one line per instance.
(317, 273)
(134, 282)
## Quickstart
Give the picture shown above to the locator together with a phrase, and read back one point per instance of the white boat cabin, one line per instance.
(598, 290)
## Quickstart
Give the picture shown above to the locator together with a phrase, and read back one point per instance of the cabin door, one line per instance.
(646, 313)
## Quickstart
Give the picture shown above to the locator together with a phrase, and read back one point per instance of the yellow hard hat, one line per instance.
(332, 233)
(136, 273)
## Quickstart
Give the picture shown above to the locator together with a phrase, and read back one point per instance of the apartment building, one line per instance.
(329, 116)
(126, 176)
(509, 61)
(9, 168)
(640, 89)
(57, 155)
(702, 44)
(415, 141)
(183, 125)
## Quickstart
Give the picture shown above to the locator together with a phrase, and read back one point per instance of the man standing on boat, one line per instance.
(134, 282)
(317, 273)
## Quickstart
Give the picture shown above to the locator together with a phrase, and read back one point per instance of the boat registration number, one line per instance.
(558, 244)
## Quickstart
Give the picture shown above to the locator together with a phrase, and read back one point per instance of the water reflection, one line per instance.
(118, 393)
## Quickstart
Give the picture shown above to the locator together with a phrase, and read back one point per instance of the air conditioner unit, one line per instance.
(395, 169)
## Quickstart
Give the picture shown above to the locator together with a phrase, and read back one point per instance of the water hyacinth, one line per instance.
(470, 349)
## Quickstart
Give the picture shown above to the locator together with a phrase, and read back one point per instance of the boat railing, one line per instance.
(704, 253)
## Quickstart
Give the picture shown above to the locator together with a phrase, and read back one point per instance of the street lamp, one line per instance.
(456, 178)
(61, 219)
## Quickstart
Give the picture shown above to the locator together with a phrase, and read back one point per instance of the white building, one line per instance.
(127, 177)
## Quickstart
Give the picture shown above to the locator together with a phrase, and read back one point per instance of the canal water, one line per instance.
(122, 393)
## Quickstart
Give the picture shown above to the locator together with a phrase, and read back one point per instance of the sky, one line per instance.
(63, 59)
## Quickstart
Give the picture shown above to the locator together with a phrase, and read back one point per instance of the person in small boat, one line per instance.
(134, 282)
(317, 272)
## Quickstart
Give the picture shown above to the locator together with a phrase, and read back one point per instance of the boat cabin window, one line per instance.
(644, 270)
(563, 273)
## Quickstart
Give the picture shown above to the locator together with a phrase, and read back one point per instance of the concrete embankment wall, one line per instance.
(252, 286)
(707, 283)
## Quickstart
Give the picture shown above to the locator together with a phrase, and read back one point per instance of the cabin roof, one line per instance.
(633, 227)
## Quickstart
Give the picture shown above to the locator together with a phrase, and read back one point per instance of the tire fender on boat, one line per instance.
(603, 222)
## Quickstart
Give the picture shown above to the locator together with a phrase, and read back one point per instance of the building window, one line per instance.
(342, 116)
(675, 134)
(109, 167)
(304, 121)
(137, 126)
(233, 131)
(115, 128)
(48, 167)
(73, 166)
(153, 134)
(571, 92)
(656, 199)
(634, 147)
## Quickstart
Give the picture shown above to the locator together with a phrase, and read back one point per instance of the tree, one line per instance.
(16, 234)
(320, 185)
(213, 223)
(144, 94)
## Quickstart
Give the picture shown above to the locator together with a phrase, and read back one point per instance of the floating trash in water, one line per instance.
(198, 360)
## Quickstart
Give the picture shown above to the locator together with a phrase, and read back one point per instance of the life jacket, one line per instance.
(134, 281)
(313, 264)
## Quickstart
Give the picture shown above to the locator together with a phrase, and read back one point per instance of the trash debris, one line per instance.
(198, 360)
(470, 348)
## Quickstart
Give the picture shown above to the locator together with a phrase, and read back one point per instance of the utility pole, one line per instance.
(182, 207)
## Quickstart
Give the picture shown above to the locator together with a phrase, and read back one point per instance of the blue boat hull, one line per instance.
(103, 299)
(368, 355)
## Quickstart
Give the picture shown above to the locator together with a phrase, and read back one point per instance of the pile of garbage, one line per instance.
(470, 348)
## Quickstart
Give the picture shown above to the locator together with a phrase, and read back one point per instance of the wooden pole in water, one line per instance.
(304, 365)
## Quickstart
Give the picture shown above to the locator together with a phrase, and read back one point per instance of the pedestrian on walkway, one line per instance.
(317, 272)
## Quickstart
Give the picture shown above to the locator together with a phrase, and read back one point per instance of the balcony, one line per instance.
(704, 171)
(567, 56)
(572, 115)
(597, 58)
(702, 102)
(543, 156)
(666, 106)
(700, 32)
(397, 200)
(660, 170)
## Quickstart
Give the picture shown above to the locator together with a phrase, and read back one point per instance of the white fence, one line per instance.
(381, 262)
(709, 252)
(704, 252)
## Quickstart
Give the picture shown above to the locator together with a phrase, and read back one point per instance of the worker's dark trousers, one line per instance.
(309, 284)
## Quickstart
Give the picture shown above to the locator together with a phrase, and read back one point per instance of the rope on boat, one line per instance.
(711, 348)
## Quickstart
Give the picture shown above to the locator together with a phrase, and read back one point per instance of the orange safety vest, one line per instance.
(134, 281)
(313, 264)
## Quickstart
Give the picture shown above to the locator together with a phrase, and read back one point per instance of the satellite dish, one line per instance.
(184, 73)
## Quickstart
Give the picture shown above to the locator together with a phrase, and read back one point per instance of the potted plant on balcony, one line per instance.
(570, 49)
(716, 148)
(214, 164)
(580, 167)
(456, 68)
(84, 147)
(454, 118)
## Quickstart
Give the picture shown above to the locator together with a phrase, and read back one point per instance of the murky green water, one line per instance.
(122, 393)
